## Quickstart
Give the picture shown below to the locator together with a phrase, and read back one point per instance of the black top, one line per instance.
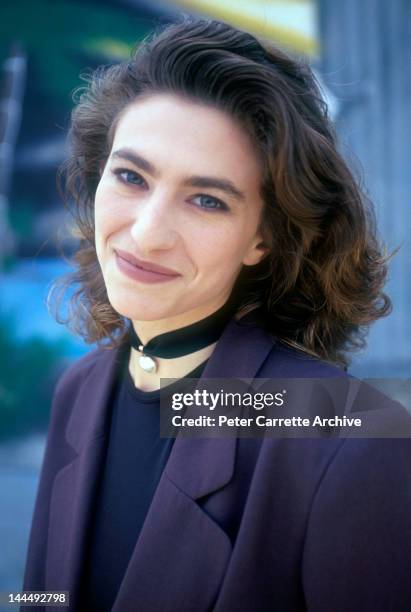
(135, 459)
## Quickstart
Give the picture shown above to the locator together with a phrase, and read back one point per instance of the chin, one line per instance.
(138, 309)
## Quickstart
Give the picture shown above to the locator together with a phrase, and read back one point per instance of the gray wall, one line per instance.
(366, 63)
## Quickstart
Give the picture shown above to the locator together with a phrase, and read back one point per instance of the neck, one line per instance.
(173, 347)
(147, 330)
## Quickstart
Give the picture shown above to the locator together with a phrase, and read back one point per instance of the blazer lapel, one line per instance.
(181, 554)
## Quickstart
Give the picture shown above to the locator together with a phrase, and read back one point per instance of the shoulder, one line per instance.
(77, 372)
(252, 336)
(287, 361)
(78, 381)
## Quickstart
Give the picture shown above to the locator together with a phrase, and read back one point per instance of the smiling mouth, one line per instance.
(145, 269)
(149, 268)
(140, 274)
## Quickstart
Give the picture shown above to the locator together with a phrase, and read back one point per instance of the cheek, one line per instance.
(110, 213)
(218, 250)
(104, 220)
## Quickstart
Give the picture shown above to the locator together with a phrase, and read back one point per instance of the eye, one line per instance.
(128, 176)
(211, 203)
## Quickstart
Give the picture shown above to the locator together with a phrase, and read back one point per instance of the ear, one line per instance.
(256, 252)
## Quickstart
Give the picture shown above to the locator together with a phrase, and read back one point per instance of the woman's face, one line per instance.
(180, 189)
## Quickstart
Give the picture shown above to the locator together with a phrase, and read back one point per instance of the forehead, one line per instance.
(189, 136)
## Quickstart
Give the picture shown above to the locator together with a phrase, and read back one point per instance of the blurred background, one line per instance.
(360, 52)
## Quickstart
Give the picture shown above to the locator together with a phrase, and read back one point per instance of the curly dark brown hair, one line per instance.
(321, 285)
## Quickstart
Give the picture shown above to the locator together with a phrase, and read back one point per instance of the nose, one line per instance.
(154, 226)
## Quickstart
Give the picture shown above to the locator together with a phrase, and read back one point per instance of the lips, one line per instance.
(146, 265)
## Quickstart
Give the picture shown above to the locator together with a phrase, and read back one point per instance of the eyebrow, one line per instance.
(204, 182)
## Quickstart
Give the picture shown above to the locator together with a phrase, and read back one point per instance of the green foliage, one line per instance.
(62, 38)
(28, 373)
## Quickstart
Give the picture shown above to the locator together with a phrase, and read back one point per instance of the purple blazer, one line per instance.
(235, 525)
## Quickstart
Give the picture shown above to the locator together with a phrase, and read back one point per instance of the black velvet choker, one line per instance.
(184, 340)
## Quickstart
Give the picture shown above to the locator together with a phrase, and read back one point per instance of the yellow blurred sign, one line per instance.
(289, 23)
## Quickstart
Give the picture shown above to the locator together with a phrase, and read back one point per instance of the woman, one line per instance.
(221, 235)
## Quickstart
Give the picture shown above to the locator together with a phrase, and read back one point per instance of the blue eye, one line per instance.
(129, 176)
(212, 203)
